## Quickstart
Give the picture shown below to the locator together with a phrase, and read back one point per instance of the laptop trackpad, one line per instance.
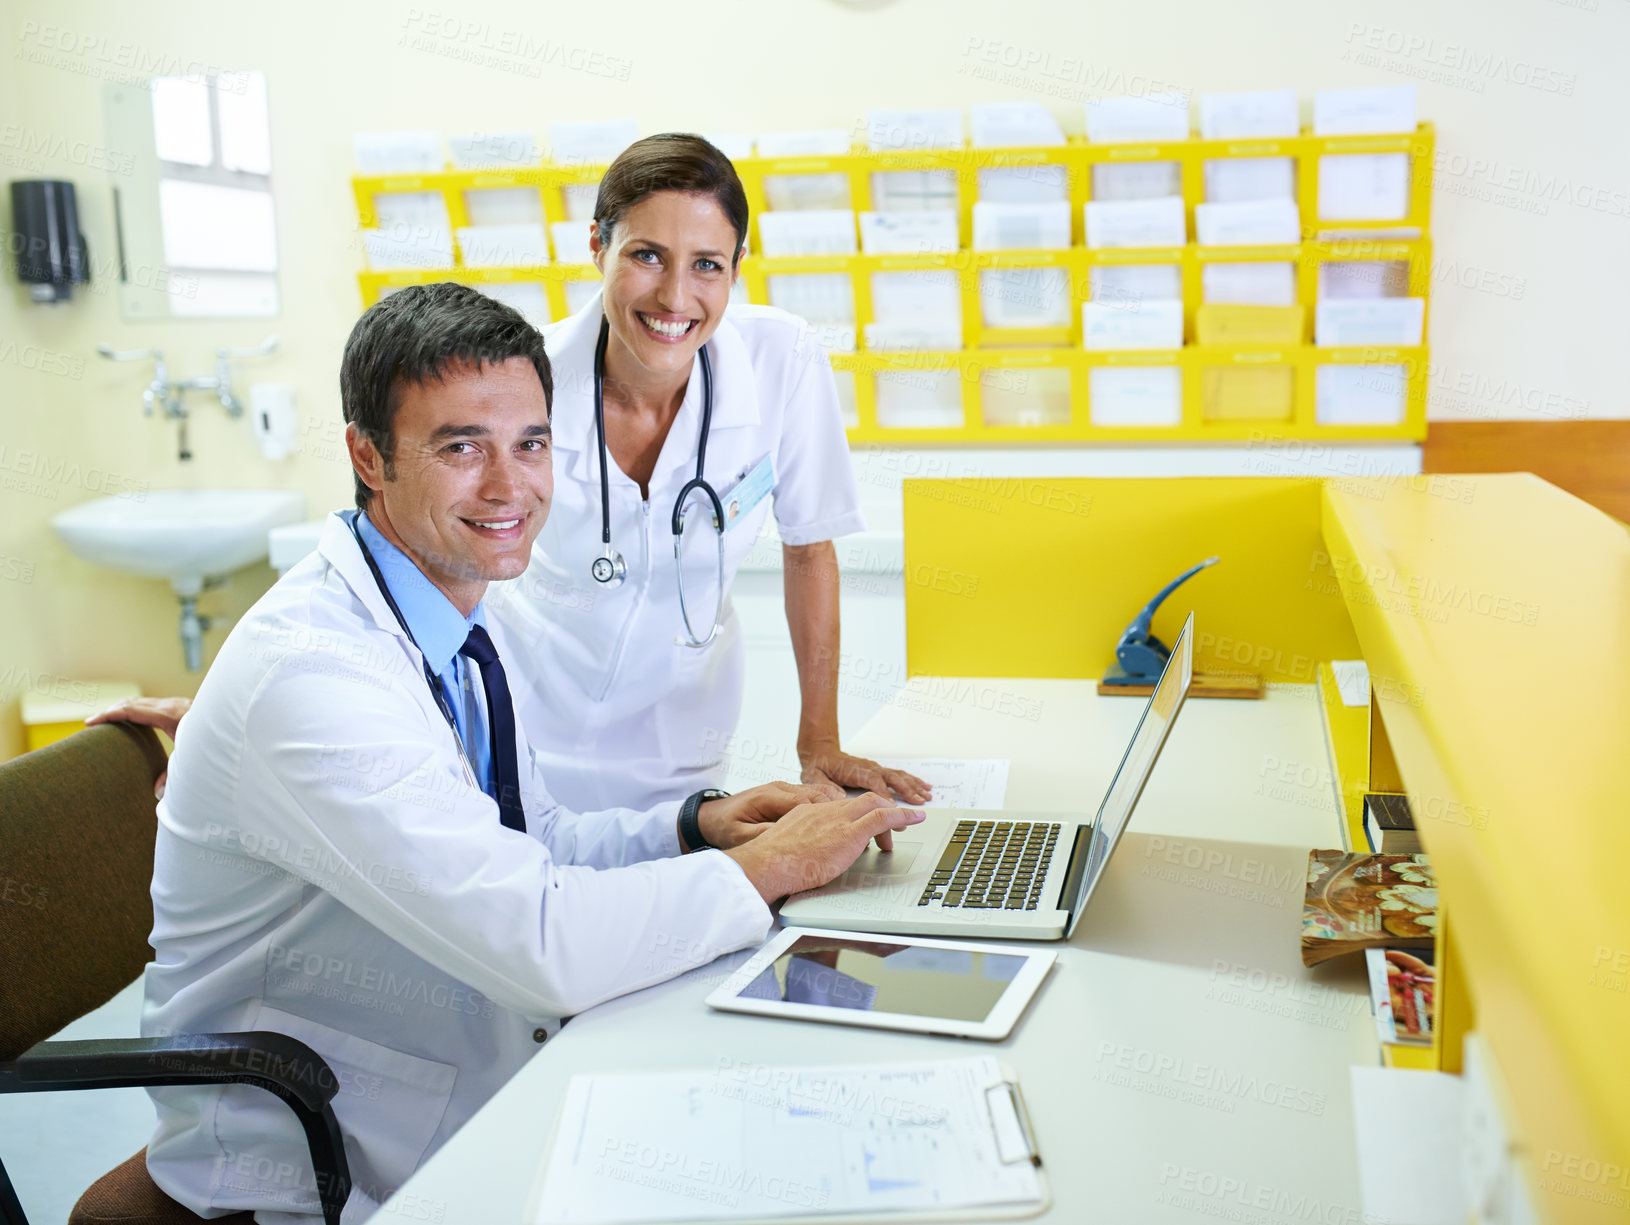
(875, 865)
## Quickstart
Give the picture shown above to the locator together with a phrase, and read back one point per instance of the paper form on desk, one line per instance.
(959, 782)
(747, 1142)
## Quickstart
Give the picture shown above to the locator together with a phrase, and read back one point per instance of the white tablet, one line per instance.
(887, 982)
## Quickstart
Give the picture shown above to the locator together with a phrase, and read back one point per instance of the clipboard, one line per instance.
(654, 1177)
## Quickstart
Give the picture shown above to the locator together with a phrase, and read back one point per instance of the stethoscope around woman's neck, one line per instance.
(609, 569)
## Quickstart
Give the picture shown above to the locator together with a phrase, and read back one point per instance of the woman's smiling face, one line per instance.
(668, 270)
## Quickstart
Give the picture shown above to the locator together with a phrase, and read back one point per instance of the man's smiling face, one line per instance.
(468, 485)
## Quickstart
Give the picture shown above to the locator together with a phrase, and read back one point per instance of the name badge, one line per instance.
(748, 491)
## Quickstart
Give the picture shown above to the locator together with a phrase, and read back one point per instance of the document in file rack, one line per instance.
(743, 1141)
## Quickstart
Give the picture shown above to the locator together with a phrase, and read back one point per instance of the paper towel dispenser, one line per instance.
(50, 250)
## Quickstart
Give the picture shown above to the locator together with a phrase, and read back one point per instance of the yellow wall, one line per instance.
(1521, 312)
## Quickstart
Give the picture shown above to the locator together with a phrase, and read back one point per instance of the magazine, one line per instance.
(1363, 901)
(1403, 989)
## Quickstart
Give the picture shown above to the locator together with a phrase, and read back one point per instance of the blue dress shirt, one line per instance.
(440, 630)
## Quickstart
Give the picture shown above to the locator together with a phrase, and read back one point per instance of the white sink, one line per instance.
(286, 546)
(183, 535)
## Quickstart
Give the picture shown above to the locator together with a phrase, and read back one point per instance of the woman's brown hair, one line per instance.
(671, 161)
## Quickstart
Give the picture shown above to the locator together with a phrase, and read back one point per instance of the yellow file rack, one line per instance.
(1229, 393)
(549, 181)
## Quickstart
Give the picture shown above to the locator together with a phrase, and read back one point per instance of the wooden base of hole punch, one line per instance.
(1204, 685)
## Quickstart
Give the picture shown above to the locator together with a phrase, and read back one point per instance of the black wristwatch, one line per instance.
(690, 820)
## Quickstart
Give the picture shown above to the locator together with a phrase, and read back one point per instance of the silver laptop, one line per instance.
(1021, 876)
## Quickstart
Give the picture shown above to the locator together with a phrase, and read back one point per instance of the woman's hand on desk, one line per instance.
(814, 843)
(827, 763)
(737, 818)
(161, 713)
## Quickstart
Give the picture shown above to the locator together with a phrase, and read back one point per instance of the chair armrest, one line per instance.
(281, 1064)
(262, 1058)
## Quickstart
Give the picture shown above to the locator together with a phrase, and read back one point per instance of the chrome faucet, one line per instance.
(166, 394)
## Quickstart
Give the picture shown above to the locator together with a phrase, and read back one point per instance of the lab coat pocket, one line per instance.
(390, 1104)
(697, 715)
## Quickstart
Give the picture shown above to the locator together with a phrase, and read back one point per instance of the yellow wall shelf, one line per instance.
(1229, 393)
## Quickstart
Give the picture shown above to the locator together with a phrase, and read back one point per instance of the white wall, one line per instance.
(1532, 204)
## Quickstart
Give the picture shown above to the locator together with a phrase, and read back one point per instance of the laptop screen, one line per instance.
(1127, 785)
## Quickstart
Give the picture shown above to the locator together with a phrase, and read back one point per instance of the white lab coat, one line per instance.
(324, 868)
(621, 713)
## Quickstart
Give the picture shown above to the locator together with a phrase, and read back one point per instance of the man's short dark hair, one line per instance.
(412, 336)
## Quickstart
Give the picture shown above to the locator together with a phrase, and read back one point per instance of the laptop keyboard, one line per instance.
(993, 865)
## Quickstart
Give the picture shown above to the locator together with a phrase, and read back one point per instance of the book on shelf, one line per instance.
(1389, 825)
(1403, 992)
(1363, 901)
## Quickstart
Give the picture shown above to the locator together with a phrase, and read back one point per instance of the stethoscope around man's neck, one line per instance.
(609, 569)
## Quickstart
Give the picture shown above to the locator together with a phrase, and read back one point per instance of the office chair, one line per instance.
(77, 825)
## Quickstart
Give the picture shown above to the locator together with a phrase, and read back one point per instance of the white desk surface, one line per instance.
(1179, 1063)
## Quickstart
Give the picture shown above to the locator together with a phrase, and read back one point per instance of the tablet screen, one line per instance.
(876, 976)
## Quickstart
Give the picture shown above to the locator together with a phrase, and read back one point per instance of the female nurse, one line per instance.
(669, 399)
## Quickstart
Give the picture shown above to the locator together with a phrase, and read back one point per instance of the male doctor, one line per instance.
(354, 847)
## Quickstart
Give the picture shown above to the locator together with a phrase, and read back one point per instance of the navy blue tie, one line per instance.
(501, 724)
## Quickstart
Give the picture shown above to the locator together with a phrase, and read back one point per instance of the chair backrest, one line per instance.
(77, 827)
